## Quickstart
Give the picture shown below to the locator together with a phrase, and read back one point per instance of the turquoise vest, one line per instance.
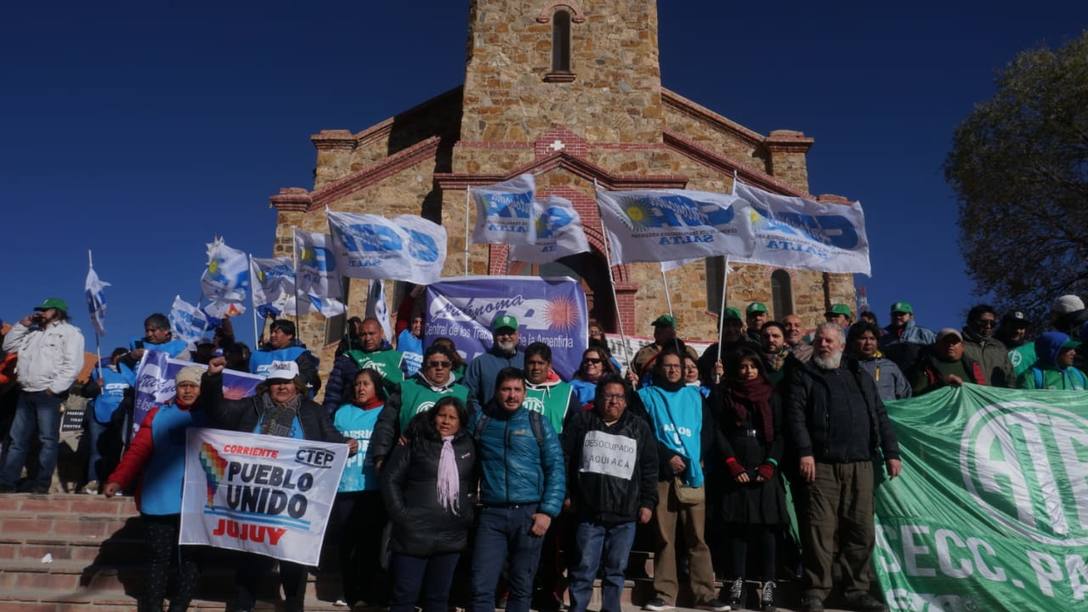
(113, 391)
(677, 418)
(354, 422)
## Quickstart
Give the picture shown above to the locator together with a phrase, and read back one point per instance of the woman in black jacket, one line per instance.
(280, 408)
(429, 486)
(748, 440)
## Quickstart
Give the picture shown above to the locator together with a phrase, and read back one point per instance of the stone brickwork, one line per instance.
(608, 121)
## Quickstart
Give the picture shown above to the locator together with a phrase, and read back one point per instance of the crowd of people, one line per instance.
(528, 485)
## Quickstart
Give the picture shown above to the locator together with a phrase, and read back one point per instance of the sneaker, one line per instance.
(340, 603)
(657, 604)
(91, 488)
(715, 605)
(810, 603)
(766, 597)
(864, 602)
(734, 595)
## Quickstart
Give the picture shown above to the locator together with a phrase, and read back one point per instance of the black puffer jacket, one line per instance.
(245, 414)
(808, 413)
(598, 492)
(422, 527)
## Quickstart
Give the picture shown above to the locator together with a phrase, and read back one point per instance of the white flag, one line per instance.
(187, 321)
(671, 224)
(318, 275)
(96, 300)
(273, 285)
(558, 233)
(793, 232)
(406, 248)
(377, 308)
(504, 212)
(225, 280)
(669, 266)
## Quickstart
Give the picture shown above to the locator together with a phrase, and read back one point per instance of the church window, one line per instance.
(561, 42)
(781, 294)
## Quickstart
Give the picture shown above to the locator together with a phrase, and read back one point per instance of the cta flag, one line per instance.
(558, 232)
(187, 321)
(377, 308)
(406, 248)
(671, 224)
(225, 280)
(318, 274)
(793, 232)
(96, 300)
(990, 512)
(273, 285)
(504, 212)
(549, 310)
(268, 495)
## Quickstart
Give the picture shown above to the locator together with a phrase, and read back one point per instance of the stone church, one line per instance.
(571, 92)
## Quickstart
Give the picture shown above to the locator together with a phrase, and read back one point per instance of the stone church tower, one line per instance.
(571, 92)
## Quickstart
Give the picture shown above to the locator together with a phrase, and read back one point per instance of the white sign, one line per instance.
(262, 494)
(609, 454)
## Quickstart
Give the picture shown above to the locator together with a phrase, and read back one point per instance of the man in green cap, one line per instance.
(50, 355)
(904, 339)
(756, 315)
(481, 373)
(840, 315)
(664, 335)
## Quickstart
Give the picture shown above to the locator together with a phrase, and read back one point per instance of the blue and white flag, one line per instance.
(558, 233)
(671, 224)
(187, 321)
(669, 266)
(377, 308)
(504, 212)
(273, 285)
(406, 248)
(96, 300)
(794, 232)
(318, 274)
(225, 280)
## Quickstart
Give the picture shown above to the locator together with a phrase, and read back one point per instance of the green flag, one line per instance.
(991, 512)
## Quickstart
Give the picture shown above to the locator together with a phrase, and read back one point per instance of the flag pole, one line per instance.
(294, 256)
(725, 284)
(612, 281)
(97, 340)
(253, 300)
(468, 198)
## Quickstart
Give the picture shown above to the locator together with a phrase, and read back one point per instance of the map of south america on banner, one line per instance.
(548, 310)
(792, 232)
(263, 494)
(991, 509)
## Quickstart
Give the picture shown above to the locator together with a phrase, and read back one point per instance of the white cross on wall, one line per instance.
(557, 145)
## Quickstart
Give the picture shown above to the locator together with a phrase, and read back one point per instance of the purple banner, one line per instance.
(548, 310)
(155, 383)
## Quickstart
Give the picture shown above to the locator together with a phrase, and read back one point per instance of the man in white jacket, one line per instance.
(50, 354)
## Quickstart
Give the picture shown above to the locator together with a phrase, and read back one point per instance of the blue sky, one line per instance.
(140, 129)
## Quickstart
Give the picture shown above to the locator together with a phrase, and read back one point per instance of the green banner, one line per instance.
(991, 511)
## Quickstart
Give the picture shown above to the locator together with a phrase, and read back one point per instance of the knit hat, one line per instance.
(189, 374)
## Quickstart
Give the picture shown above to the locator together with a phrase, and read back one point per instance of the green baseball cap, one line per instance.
(903, 307)
(840, 309)
(504, 322)
(56, 303)
(732, 313)
(664, 321)
(756, 307)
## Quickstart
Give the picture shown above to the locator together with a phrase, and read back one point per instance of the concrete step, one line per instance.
(24, 504)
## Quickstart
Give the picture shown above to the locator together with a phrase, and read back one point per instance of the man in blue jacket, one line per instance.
(504, 353)
(522, 485)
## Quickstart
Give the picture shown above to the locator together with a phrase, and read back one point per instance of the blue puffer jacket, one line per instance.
(513, 467)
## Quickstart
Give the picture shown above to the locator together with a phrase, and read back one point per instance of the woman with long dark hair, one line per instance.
(430, 492)
(752, 508)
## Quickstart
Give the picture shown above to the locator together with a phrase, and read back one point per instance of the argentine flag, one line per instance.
(96, 300)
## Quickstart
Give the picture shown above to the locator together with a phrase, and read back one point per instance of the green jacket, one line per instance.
(1069, 379)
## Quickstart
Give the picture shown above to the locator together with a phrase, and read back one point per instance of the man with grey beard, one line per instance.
(838, 426)
(504, 353)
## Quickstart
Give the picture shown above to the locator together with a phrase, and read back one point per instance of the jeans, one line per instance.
(35, 411)
(102, 450)
(596, 543)
(430, 577)
(505, 531)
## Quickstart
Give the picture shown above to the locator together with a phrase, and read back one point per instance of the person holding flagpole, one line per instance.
(283, 345)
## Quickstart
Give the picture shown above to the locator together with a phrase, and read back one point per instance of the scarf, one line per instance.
(278, 419)
(756, 395)
(449, 481)
(776, 360)
(373, 403)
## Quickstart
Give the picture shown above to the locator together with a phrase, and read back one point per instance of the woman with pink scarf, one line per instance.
(430, 493)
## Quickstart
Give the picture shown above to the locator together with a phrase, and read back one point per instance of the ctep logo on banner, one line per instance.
(548, 310)
(263, 494)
